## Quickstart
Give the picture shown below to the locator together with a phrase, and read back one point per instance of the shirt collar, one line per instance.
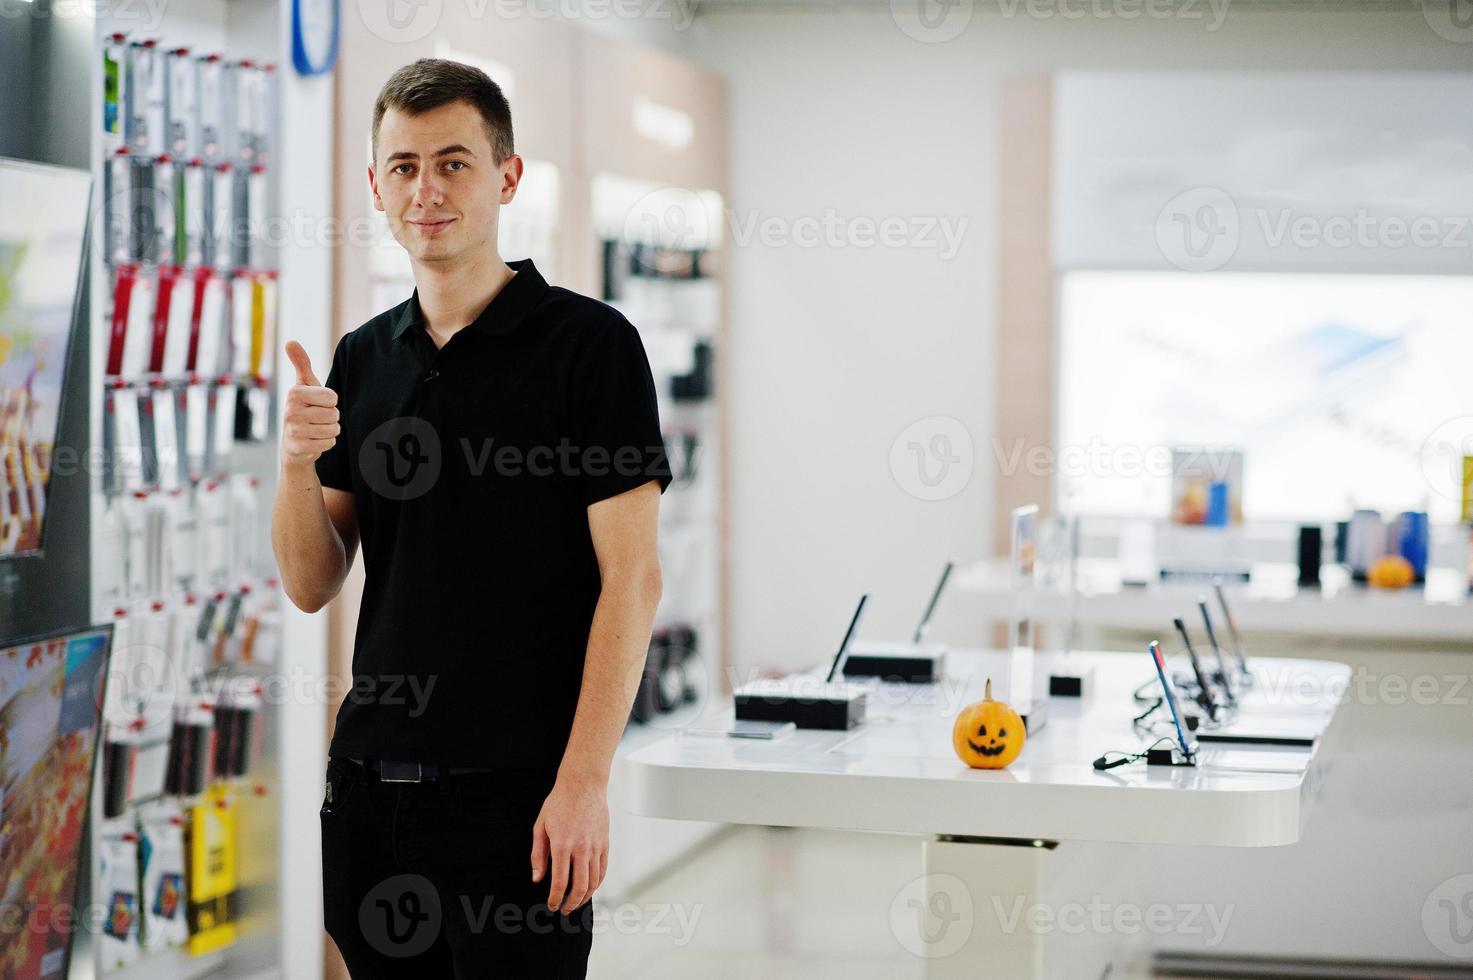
(502, 315)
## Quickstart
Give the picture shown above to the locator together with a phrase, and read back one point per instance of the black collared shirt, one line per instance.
(472, 467)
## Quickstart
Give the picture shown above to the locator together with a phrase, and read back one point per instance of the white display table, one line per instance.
(1045, 832)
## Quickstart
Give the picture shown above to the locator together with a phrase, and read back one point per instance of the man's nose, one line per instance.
(429, 189)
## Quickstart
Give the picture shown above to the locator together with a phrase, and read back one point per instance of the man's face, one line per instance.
(435, 180)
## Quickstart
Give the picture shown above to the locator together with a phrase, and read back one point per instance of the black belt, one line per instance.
(413, 772)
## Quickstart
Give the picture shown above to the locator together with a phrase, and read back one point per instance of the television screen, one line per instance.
(42, 229)
(50, 708)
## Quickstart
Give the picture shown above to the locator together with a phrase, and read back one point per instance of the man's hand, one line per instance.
(573, 827)
(310, 422)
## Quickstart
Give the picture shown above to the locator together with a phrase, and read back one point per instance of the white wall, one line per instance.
(836, 350)
(1322, 171)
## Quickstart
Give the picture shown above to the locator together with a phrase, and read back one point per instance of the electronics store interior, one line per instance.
(917, 489)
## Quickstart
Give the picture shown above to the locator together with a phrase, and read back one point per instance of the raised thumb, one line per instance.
(299, 360)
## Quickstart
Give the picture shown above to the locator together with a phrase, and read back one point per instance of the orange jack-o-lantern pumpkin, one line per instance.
(988, 734)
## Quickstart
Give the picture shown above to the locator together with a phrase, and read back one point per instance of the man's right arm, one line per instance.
(314, 529)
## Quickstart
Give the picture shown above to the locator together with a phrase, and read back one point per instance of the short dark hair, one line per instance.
(432, 82)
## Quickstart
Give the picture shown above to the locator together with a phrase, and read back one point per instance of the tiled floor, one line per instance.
(766, 903)
(763, 903)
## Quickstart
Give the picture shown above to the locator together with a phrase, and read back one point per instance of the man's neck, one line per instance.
(452, 296)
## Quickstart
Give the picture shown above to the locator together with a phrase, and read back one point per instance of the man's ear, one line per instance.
(378, 202)
(511, 178)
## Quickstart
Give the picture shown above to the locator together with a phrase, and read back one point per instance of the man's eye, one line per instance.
(401, 168)
(457, 164)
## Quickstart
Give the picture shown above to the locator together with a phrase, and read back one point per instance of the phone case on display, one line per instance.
(131, 336)
(180, 397)
(181, 73)
(156, 547)
(253, 411)
(117, 212)
(251, 103)
(174, 324)
(236, 734)
(193, 181)
(127, 458)
(214, 534)
(220, 235)
(117, 892)
(208, 340)
(191, 752)
(196, 642)
(263, 325)
(161, 847)
(209, 105)
(117, 774)
(222, 434)
(184, 538)
(213, 898)
(226, 649)
(196, 398)
(108, 577)
(150, 767)
(242, 301)
(147, 439)
(166, 437)
(255, 255)
(245, 530)
(151, 684)
(158, 211)
(241, 218)
(130, 508)
(144, 123)
(114, 89)
(261, 630)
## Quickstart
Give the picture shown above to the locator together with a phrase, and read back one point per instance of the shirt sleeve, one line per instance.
(615, 415)
(335, 467)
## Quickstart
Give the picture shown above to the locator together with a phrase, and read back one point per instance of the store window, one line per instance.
(1340, 391)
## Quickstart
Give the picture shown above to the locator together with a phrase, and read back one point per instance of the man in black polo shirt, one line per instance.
(494, 444)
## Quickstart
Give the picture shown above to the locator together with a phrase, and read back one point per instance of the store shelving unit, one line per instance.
(183, 410)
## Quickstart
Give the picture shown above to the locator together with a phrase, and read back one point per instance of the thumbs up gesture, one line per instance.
(310, 422)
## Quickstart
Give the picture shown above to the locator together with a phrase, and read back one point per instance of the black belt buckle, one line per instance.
(400, 772)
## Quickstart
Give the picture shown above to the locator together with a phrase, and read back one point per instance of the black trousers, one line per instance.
(434, 879)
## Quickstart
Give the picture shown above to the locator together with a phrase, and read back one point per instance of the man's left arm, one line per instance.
(573, 826)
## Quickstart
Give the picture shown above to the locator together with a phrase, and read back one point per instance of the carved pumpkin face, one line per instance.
(988, 734)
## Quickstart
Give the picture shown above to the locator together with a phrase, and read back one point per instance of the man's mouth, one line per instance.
(432, 227)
